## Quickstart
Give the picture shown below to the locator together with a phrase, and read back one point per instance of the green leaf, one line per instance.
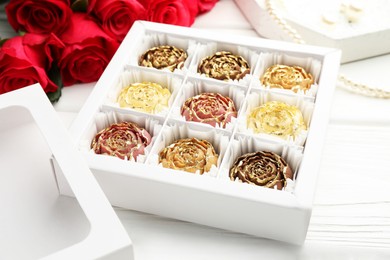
(2, 41)
(79, 6)
(55, 76)
(54, 96)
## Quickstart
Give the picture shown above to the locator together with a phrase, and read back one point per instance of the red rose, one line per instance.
(23, 60)
(206, 5)
(192, 7)
(88, 50)
(201, 6)
(177, 12)
(117, 16)
(44, 16)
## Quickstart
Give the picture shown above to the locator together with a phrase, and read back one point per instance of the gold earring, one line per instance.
(352, 11)
(330, 18)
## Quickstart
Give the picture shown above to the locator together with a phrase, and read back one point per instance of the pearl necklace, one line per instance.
(343, 81)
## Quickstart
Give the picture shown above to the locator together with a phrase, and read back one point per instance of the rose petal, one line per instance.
(42, 17)
(117, 16)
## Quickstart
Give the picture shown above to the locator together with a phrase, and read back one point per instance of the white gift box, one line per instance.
(36, 220)
(361, 35)
(210, 199)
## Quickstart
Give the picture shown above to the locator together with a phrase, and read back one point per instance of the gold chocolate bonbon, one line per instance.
(287, 77)
(162, 57)
(190, 155)
(209, 108)
(262, 168)
(276, 118)
(125, 140)
(147, 97)
(224, 65)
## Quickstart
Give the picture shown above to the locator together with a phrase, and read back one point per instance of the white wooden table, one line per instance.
(351, 216)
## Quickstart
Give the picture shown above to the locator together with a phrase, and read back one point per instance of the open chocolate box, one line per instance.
(212, 198)
(36, 220)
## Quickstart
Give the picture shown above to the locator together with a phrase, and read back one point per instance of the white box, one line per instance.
(36, 221)
(368, 37)
(212, 201)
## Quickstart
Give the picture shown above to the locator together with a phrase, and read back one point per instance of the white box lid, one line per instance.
(36, 221)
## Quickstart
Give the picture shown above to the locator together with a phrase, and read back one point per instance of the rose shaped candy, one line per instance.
(190, 155)
(287, 77)
(266, 169)
(162, 57)
(148, 97)
(124, 140)
(224, 65)
(276, 118)
(209, 108)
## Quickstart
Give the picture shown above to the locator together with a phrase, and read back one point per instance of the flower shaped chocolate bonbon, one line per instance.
(162, 57)
(276, 118)
(263, 168)
(124, 140)
(287, 77)
(209, 108)
(224, 65)
(147, 97)
(190, 155)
